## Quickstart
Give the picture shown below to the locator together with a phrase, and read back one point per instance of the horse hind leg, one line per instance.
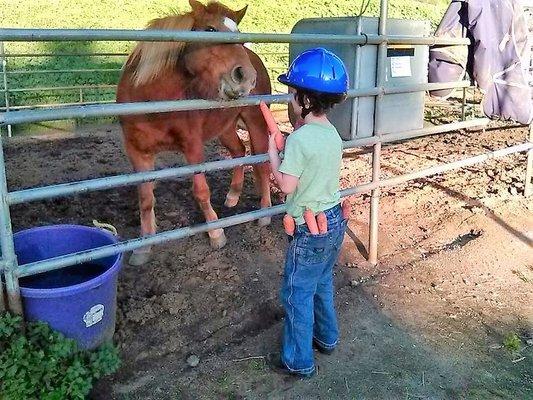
(202, 195)
(233, 143)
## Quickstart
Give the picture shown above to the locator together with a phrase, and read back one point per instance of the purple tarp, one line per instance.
(498, 59)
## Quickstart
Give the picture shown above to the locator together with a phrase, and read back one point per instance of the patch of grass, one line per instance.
(257, 365)
(178, 393)
(225, 388)
(223, 383)
(512, 342)
(477, 393)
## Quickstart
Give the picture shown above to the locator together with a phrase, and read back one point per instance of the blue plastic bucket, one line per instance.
(78, 301)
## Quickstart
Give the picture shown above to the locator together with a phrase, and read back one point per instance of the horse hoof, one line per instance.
(231, 200)
(264, 221)
(139, 258)
(217, 239)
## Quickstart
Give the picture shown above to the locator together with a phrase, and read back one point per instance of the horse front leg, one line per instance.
(231, 141)
(144, 162)
(258, 132)
(202, 194)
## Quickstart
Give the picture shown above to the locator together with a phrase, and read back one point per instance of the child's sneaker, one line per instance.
(273, 360)
(322, 349)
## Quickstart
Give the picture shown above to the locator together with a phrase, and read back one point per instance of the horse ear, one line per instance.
(197, 7)
(239, 15)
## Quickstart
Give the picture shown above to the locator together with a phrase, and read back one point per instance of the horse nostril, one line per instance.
(237, 74)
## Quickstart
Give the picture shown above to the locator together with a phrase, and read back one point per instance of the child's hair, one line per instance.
(318, 102)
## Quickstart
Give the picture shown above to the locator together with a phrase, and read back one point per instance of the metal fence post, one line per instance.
(6, 241)
(353, 84)
(528, 186)
(4, 76)
(376, 152)
(2, 302)
(463, 105)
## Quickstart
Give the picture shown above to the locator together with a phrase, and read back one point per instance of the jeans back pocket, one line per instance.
(312, 250)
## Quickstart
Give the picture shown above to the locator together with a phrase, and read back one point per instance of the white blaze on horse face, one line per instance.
(231, 24)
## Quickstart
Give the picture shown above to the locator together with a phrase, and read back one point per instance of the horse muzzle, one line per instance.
(238, 83)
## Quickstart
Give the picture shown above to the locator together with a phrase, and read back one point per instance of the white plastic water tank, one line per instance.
(406, 65)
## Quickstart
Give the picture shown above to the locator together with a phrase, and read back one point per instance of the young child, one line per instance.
(310, 174)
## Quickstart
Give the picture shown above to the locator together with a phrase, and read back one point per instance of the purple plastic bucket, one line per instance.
(78, 301)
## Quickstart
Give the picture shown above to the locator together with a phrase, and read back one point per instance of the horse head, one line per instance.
(212, 70)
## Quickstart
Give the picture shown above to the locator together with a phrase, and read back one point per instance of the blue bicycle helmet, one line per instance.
(319, 70)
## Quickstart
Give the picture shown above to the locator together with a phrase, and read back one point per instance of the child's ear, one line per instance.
(302, 100)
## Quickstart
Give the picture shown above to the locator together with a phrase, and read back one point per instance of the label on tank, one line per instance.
(400, 66)
(94, 315)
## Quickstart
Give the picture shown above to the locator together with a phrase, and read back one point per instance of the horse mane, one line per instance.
(150, 59)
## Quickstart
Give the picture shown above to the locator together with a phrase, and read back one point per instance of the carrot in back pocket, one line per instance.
(310, 220)
(289, 224)
(322, 222)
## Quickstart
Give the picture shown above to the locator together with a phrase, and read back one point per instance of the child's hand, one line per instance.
(272, 144)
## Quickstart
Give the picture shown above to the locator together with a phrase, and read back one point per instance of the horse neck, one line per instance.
(169, 85)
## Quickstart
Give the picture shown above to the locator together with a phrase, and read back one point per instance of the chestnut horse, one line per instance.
(177, 70)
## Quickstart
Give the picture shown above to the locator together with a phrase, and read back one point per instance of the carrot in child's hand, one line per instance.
(269, 119)
(346, 208)
(310, 220)
(272, 126)
(289, 224)
(322, 222)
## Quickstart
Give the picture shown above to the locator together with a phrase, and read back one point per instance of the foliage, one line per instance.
(43, 364)
(512, 342)
(262, 16)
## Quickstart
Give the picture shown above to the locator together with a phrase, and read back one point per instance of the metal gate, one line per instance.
(9, 266)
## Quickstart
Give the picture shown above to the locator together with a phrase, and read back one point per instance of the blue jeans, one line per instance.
(307, 293)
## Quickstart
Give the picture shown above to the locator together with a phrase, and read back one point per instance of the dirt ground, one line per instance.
(455, 277)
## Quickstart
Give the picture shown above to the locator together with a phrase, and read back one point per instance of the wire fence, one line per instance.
(100, 92)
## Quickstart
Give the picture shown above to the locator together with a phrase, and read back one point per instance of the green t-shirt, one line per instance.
(313, 153)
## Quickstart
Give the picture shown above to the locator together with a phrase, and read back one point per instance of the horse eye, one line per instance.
(210, 29)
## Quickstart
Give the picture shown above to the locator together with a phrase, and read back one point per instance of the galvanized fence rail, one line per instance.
(12, 271)
(82, 89)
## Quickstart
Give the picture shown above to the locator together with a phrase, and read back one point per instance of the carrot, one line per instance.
(322, 222)
(310, 220)
(289, 224)
(346, 208)
(272, 126)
